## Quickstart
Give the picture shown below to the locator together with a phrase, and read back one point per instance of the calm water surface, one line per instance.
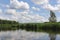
(24, 35)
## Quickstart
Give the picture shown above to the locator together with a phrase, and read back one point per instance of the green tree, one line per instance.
(52, 17)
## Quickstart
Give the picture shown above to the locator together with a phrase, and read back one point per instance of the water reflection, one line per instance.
(52, 36)
(24, 35)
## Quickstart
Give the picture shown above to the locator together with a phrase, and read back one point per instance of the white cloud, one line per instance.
(50, 7)
(58, 6)
(58, 1)
(46, 4)
(31, 18)
(53, 8)
(10, 11)
(35, 8)
(4, 5)
(15, 4)
(58, 19)
(0, 11)
(23, 17)
(7, 6)
(40, 1)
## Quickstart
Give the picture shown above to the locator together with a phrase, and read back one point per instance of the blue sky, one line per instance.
(29, 10)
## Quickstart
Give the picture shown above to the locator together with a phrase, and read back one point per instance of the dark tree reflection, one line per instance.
(52, 36)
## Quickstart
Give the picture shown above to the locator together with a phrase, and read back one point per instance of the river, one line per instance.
(28, 35)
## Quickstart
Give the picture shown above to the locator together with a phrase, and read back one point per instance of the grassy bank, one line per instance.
(38, 26)
(42, 27)
(13, 25)
(8, 25)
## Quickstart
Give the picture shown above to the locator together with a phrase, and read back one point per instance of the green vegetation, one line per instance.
(52, 17)
(38, 26)
(42, 27)
(8, 25)
(13, 25)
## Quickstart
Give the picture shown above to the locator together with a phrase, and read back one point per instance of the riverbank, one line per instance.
(37, 26)
(42, 27)
(31, 26)
(13, 25)
(8, 25)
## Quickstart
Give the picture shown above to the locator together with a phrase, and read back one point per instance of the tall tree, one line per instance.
(52, 17)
